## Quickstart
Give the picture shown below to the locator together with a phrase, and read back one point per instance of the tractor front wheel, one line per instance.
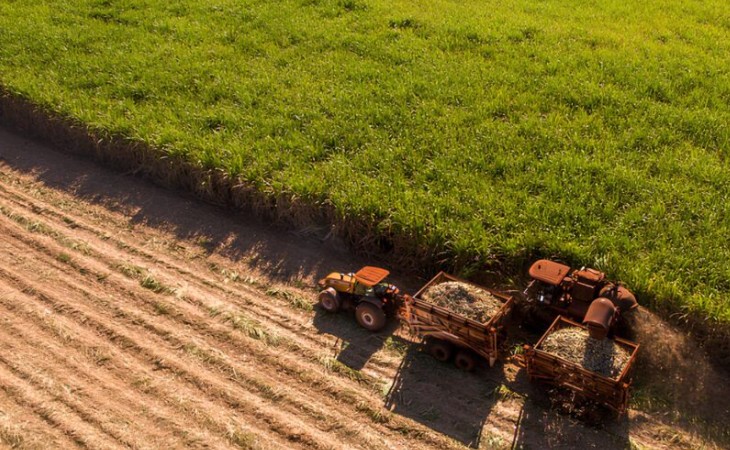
(330, 300)
(370, 316)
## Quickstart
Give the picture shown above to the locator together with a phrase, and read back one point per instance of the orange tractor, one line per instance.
(363, 291)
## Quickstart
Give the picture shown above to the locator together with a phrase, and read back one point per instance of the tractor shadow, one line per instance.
(434, 394)
(444, 398)
(355, 346)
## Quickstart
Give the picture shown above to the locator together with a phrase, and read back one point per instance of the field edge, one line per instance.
(363, 235)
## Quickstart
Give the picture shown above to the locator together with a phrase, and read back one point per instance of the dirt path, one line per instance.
(133, 317)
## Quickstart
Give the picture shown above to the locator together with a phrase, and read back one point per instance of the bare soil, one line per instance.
(134, 317)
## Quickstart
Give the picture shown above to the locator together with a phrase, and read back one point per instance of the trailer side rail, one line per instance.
(428, 319)
(557, 371)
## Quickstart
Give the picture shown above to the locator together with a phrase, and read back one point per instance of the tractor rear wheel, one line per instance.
(465, 360)
(330, 300)
(370, 316)
(440, 350)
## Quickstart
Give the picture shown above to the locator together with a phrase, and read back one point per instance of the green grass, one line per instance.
(597, 132)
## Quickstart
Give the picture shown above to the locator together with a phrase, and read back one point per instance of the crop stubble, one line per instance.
(86, 335)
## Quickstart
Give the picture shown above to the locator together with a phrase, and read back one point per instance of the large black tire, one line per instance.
(370, 316)
(440, 350)
(330, 300)
(465, 360)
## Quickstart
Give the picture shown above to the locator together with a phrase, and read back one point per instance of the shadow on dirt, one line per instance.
(435, 394)
(442, 397)
(283, 255)
(355, 346)
(539, 426)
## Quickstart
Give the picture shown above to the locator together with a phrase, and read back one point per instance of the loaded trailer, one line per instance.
(448, 333)
(611, 390)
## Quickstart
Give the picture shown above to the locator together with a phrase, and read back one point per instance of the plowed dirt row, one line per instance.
(135, 318)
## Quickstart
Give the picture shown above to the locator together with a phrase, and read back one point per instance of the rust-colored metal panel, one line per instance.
(549, 272)
(583, 292)
(599, 316)
(427, 319)
(370, 276)
(552, 369)
(591, 276)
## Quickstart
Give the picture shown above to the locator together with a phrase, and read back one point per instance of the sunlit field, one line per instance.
(479, 131)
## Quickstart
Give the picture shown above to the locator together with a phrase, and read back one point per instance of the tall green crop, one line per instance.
(596, 132)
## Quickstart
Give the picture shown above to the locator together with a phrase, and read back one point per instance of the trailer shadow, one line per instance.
(442, 397)
(434, 394)
(540, 426)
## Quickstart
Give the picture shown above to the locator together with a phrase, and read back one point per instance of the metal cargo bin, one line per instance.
(428, 320)
(554, 370)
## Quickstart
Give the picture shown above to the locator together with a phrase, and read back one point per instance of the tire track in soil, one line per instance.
(103, 417)
(21, 428)
(164, 333)
(100, 384)
(55, 414)
(146, 346)
(169, 391)
(241, 296)
(441, 443)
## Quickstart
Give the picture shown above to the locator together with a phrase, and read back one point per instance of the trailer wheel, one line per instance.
(330, 300)
(370, 316)
(440, 350)
(465, 360)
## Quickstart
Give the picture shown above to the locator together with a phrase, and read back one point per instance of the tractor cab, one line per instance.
(368, 281)
(360, 283)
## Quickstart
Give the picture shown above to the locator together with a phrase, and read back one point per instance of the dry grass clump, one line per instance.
(602, 356)
(464, 299)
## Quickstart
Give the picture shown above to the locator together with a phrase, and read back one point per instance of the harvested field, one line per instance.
(603, 356)
(131, 317)
(464, 299)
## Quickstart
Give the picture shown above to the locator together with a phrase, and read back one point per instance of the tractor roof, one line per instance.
(549, 272)
(370, 276)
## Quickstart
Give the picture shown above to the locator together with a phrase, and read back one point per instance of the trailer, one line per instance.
(554, 370)
(450, 334)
